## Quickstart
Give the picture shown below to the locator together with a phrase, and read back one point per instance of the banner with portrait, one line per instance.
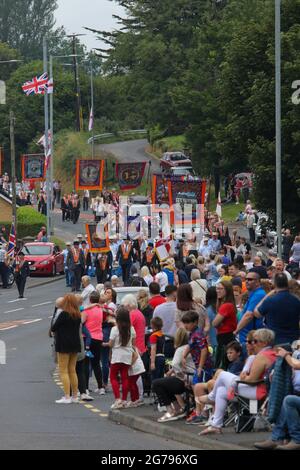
(160, 193)
(33, 167)
(89, 174)
(130, 175)
(98, 242)
(187, 197)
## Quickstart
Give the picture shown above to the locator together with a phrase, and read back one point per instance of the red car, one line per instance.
(44, 258)
(171, 159)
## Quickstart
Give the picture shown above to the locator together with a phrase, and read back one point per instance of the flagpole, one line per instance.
(52, 147)
(46, 110)
(92, 111)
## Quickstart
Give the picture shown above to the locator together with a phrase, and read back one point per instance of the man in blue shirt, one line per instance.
(214, 243)
(281, 311)
(248, 321)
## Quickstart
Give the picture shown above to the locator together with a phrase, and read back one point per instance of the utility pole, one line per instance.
(13, 168)
(92, 111)
(46, 109)
(52, 148)
(79, 117)
(278, 125)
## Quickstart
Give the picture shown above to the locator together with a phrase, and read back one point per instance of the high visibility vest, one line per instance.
(149, 256)
(126, 251)
(76, 254)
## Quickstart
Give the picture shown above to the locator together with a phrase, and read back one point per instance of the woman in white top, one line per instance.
(122, 342)
(145, 274)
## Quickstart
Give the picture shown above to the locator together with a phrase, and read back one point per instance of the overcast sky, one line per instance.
(74, 14)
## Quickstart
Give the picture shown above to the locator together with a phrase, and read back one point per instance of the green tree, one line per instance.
(23, 24)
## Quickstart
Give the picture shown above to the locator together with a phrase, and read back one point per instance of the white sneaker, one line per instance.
(118, 404)
(75, 400)
(102, 391)
(161, 409)
(64, 401)
(86, 397)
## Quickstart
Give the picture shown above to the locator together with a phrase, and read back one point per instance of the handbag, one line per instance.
(137, 368)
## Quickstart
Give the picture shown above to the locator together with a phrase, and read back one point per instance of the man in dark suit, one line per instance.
(22, 272)
(125, 256)
(75, 263)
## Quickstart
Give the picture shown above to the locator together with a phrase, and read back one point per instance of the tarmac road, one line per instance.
(29, 417)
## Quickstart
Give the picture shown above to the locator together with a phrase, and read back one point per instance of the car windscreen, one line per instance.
(37, 250)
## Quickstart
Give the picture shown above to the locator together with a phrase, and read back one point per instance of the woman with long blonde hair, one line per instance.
(66, 329)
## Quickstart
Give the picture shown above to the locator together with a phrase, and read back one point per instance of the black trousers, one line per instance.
(76, 279)
(21, 282)
(101, 276)
(95, 348)
(169, 349)
(125, 272)
(80, 371)
(85, 204)
(251, 234)
(167, 388)
(3, 274)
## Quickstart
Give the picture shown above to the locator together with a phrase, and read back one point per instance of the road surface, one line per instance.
(29, 417)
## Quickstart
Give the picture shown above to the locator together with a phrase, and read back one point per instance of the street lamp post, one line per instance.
(278, 125)
(12, 154)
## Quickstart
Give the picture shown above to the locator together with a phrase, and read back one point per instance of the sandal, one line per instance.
(210, 430)
(167, 417)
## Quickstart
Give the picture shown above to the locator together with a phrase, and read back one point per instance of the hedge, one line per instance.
(29, 222)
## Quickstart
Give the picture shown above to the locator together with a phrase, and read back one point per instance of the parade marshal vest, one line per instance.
(126, 251)
(185, 251)
(76, 254)
(85, 253)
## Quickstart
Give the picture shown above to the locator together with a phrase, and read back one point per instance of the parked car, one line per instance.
(172, 159)
(44, 258)
(122, 291)
(181, 171)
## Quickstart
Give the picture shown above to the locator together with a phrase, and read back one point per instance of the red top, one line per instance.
(229, 323)
(156, 301)
(139, 324)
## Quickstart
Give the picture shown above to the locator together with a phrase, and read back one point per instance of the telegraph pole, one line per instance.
(13, 168)
(278, 125)
(46, 109)
(79, 117)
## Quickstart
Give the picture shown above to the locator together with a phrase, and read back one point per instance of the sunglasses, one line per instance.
(250, 279)
(252, 341)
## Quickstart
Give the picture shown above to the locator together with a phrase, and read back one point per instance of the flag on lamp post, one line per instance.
(91, 121)
(219, 206)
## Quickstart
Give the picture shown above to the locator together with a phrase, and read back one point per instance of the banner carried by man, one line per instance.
(33, 167)
(130, 175)
(89, 174)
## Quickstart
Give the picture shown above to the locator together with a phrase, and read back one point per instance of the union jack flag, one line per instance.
(36, 86)
(12, 240)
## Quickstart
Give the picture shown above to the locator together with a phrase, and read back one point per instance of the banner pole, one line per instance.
(46, 110)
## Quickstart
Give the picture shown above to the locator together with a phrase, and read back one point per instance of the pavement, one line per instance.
(145, 418)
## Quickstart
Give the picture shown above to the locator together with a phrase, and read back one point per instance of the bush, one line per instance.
(29, 222)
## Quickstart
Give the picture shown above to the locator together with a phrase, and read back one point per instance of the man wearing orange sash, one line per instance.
(75, 263)
(125, 256)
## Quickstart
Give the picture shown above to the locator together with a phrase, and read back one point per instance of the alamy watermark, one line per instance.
(150, 221)
(296, 94)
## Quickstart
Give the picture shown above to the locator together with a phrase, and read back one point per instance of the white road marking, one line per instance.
(13, 301)
(40, 305)
(9, 328)
(31, 321)
(16, 310)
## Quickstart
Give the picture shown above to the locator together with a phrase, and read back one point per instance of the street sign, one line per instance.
(2, 92)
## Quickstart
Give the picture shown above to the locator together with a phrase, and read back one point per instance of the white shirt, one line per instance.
(122, 354)
(177, 361)
(148, 279)
(162, 280)
(85, 295)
